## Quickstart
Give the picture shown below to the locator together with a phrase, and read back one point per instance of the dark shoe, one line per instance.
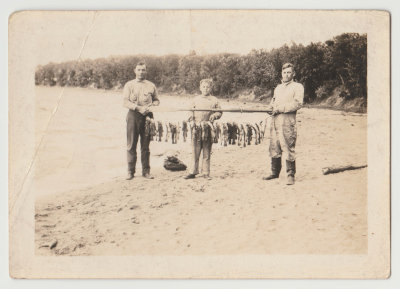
(276, 166)
(290, 180)
(190, 176)
(270, 177)
(148, 176)
(129, 176)
(207, 177)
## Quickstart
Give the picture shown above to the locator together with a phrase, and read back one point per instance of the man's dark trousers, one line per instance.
(135, 127)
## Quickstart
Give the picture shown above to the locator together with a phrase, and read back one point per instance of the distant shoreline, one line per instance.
(346, 106)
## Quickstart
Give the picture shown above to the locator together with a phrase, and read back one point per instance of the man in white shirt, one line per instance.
(139, 95)
(288, 98)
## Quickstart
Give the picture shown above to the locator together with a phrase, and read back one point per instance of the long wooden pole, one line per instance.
(241, 110)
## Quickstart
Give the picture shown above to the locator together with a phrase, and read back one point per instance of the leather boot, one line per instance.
(148, 176)
(129, 176)
(276, 165)
(291, 171)
(190, 176)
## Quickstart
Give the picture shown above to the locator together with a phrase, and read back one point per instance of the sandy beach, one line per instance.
(84, 206)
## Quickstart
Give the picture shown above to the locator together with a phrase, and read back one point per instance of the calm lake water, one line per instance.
(84, 143)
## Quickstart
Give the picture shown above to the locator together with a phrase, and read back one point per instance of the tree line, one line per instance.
(338, 64)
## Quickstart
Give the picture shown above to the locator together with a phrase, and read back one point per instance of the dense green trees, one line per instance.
(339, 64)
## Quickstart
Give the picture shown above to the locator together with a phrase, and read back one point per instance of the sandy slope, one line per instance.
(234, 213)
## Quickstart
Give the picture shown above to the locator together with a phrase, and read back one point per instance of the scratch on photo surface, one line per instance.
(94, 17)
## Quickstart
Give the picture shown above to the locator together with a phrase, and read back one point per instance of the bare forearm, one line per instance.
(216, 115)
(292, 107)
(129, 104)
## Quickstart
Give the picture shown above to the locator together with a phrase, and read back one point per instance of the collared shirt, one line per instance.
(140, 92)
(205, 102)
(288, 97)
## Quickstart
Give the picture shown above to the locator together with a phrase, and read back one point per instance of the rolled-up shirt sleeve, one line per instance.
(127, 102)
(297, 101)
(217, 114)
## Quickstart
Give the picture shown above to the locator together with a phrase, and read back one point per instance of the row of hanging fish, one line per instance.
(224, 133)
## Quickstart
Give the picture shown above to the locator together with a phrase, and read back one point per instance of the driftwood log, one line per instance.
(334, 170)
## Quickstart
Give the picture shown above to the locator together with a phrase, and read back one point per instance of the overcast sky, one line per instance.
(60, 35)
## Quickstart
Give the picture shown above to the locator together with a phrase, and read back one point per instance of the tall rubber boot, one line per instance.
(276, 165)
(291, 171)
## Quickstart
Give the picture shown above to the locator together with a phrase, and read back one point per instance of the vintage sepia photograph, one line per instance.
(199, 144)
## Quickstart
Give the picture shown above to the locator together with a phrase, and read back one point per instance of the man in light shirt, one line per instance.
(139, 95)
(201, 128)
(288, 98)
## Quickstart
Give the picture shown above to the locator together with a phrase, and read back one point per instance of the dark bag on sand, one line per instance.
(172, 163)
